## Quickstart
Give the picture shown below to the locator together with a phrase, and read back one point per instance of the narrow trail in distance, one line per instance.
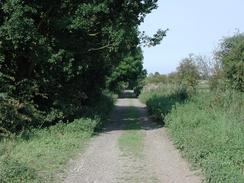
(104, 162)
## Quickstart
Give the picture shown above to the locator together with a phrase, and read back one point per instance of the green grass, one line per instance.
(209, 129)
(131, 141)
(40, 155)
(160, 101)
(45, 154)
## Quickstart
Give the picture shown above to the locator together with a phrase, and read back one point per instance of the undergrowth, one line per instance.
(40, 155)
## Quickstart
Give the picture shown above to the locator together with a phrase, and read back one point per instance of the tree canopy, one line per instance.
(56, 56)
(231, 56)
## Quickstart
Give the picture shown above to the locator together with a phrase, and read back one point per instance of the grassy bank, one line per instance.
(208, 128)
(39, 155)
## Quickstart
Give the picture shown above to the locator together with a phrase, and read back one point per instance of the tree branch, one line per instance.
(100, 48)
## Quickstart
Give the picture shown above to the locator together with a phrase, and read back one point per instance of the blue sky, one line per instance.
(194, 27)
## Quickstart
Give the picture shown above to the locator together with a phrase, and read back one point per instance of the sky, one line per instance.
(194, 27)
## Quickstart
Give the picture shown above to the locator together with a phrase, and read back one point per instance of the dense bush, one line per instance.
(16, 115)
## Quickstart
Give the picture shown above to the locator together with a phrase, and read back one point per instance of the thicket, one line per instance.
(56, 57)
(206, 125)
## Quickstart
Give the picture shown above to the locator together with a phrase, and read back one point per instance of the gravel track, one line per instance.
(103, 162)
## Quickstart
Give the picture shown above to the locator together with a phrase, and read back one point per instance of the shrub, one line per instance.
(16, 115)
(188, 74)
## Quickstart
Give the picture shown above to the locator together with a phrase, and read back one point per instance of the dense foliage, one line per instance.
(231, 56)
(128, 74)
(57, 56)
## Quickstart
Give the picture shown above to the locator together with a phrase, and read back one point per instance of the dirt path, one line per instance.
(103, 161)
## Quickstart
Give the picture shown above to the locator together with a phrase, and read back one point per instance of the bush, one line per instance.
(16, 115)
(188, 74)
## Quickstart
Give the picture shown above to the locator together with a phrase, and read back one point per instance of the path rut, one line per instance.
(103, 162)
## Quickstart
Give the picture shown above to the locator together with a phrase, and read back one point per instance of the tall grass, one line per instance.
(161, 100)
(39, 155)
(209, 129)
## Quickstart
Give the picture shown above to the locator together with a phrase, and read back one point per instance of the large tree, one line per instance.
(55, 56)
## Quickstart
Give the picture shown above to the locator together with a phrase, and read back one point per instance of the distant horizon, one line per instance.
(191, 30)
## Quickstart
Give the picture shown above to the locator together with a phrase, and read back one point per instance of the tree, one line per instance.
(231, 55)
(204, 66)
(216, 79)
(129, 71)
(187, 73)
(56, 56)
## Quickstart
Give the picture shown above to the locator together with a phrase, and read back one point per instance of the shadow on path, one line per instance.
(119, 117)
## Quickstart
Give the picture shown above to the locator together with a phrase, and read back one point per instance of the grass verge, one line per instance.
(208, 128)
(131, 141)
(40, 155)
